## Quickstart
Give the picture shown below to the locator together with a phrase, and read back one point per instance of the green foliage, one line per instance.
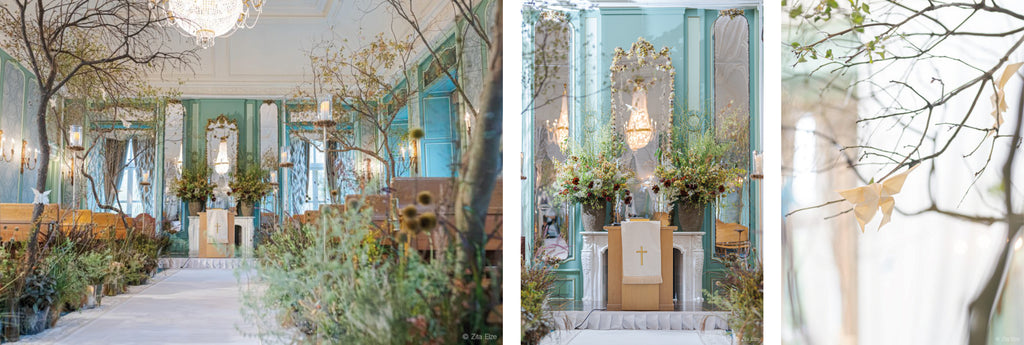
(194, 184)
(66, 268)
(592, 174)
(250, 184)
(743, 296)
(696, 173)
(95, 267)
(345, 282)
(538, 281)
(39, 292)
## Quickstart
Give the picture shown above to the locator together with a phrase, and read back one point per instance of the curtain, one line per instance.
(144, 148)
(298, 175)
(113, 164)
(332, 167)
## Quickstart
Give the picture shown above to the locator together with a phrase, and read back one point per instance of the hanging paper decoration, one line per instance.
(867, 200)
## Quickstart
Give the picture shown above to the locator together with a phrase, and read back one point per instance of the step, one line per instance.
(205, 263)
(641, 320)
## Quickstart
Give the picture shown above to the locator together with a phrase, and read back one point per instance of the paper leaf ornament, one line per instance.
(40, 198)
(868, 200)
(999, 97)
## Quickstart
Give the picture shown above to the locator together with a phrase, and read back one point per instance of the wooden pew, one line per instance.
(406, 189)
(107, 223)
(16, 221)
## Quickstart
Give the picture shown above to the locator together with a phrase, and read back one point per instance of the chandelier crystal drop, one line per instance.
(560, 129)
(208, 19)
(639, 128)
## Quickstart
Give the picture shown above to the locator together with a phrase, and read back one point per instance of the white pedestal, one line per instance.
(248, 225)
(193, 236)
(690, 270)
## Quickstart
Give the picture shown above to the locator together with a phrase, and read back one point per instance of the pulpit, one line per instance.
(216, 234)
(639, 294)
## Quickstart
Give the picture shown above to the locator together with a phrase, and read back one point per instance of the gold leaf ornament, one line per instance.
(999, 97)
(867, 200)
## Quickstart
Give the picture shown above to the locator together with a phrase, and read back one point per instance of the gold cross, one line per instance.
(642, 252)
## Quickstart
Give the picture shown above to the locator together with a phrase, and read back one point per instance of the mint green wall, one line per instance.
(620, 27)
(18, 106)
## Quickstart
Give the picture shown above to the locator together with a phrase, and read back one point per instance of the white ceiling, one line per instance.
(269, 60)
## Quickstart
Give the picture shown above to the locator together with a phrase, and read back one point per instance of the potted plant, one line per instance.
(193, 187)
(694, 175)
(741, 292)
(95, 268)
(592, 177)
(249, 185)
(37, 296)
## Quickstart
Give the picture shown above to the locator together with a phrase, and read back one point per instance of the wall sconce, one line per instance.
(639, 129)
(6, 148)
(29, 157)
(221, 164)
(285, 162)
(414, 158)
(559, 131)
(75, 138)
(273, 179)
(145, 178)
(758, 171)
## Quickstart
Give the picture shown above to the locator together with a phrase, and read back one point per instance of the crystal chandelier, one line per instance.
(209, 19)
(639, 129)
(221, 164)
(559, 131)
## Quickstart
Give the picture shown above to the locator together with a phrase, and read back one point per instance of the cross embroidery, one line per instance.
(642, 252)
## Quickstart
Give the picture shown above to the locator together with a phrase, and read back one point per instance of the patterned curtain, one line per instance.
(113, 164)
(334, 171)
(145, 149)
(94, 165)
(298, 178)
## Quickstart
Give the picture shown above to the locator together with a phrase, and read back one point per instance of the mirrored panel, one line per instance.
(642, 80)
(732, 125)
(552, 115)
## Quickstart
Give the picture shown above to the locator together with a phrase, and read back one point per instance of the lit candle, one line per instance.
(76, 136)
(284, 157)
(273, 177)
(758, 163)
(145, 176)
(325, 109)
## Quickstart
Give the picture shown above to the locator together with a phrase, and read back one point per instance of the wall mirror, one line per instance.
(642, 95)
(552, 104)
(732, 125)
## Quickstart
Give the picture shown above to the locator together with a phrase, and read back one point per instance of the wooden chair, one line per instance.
(731, 237)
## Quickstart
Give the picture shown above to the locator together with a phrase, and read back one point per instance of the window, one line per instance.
(129, 192)
(316, 188)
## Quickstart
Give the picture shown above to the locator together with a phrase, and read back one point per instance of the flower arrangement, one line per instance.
(592, 176)
(249, 185)
(194, 184)
(696, 174)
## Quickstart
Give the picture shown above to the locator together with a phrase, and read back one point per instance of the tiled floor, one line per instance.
(190, 306)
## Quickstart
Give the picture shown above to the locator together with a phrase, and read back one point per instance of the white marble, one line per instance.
(691, 269)
(193, 236)
(247, 233)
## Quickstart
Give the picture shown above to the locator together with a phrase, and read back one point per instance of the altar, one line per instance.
(687, 268)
